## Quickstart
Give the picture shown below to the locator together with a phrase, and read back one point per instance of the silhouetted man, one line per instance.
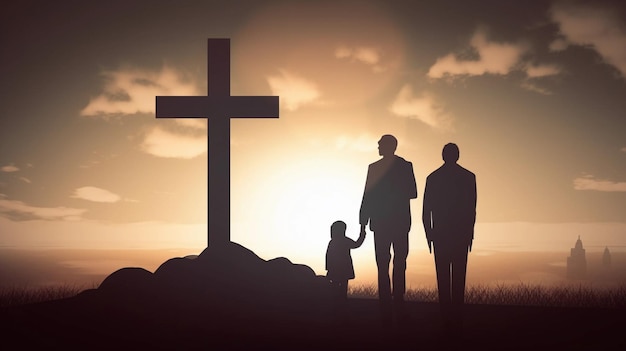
(389, 186)
(449, 214)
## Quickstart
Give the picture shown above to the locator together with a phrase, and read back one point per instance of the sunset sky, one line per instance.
(533, 93)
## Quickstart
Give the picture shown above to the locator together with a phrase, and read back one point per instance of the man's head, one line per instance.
(387, 145)
(450, 153)
(337, 229)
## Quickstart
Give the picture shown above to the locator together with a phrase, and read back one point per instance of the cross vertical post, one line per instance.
(218, 134)
(219, 106)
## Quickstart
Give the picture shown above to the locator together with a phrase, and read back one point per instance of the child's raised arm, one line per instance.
(360, 240)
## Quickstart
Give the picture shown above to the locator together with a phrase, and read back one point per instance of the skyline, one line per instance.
(531, 93)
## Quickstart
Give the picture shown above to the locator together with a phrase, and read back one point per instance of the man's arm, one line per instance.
(427, 216)
(474, 197)
(412, 185)
(365, 211)
(327, 257)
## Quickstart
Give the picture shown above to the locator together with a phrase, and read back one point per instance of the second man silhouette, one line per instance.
(389, 187)
(449, 214)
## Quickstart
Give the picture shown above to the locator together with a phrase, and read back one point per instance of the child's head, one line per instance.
(337, 229)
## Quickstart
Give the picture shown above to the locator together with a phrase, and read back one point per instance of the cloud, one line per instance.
(534, 87)
(538, 71)
(163, 143)
(424, 108)
(89, 164)
(192, 123)
(130, 91)
(294, 91)
(593, 27)
(10, 168)
(26, 180)
(363, 143)
(366, 55)
(590, 183)
(343, 52)
(18, 210)
(91, 193)
(558, 44)
(493, 58)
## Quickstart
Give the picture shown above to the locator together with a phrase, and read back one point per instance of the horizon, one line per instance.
(31, 268)
(531, 93)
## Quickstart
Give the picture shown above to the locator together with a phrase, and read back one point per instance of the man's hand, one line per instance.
(362, 229)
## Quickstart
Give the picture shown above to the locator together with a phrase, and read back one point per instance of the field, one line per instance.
(521, 294)
(16, 296)
(232, 299)
(513, 318)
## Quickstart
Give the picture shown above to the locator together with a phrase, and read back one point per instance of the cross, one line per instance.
(219, 106)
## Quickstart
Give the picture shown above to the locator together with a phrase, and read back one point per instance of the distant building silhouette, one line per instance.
(576, 262)
(606, 258)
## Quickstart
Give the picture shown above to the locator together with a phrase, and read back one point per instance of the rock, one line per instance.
(226, 278)
(130, 280)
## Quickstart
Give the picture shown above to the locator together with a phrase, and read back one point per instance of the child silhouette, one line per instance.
(338, 260)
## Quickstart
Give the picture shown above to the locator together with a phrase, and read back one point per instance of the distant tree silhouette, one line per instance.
(389, 187)
(449, 215)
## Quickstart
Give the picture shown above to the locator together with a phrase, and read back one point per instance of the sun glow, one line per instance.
(300, 202)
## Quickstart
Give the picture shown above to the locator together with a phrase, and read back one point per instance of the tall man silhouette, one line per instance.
(449, 214)
(389, 186)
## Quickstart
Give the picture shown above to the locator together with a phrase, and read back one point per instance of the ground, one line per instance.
(80, 323)
(229, 298)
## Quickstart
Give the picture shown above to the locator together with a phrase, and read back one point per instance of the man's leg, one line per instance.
(459, 273)
(442, 266)
(382, 246)
(400, 253)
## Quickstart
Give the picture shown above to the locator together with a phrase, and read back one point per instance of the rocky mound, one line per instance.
(230, 280)
(226, 296)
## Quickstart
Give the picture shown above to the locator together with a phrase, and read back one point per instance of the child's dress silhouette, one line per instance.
(338, 259)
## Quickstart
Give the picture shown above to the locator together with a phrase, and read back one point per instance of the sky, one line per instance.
(531, 92)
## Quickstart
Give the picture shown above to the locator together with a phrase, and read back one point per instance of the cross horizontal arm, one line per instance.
(217, 106)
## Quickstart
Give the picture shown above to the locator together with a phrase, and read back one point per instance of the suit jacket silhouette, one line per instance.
(450, 203)
(389, 186)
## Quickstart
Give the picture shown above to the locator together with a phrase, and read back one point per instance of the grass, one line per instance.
(521, 294)
(13, 296)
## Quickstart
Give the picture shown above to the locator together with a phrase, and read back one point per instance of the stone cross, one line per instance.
(219, 107)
